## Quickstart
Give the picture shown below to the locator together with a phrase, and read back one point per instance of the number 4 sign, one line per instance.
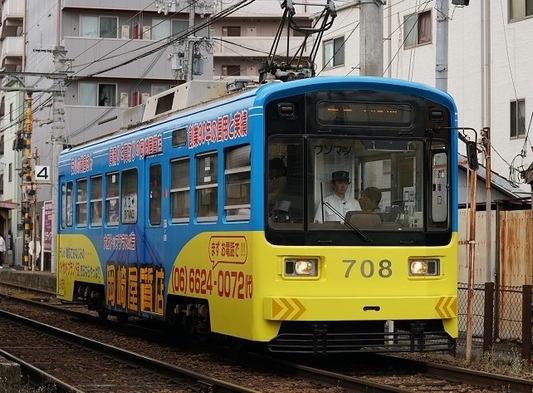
(42, 174)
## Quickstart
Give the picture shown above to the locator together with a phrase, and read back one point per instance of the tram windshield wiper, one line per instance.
(356, 230)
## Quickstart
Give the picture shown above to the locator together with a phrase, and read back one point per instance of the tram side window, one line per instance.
(155, 194)
(129, 196)
(81, 203)
(180, 190)
(66, 204)
(237, 174)
(440, 187)
(206, 187)
(284, 183)
(96, 201)
(112, 199)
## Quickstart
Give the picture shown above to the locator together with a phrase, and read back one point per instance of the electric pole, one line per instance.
(28, 191)
(58, 142)
(441, 61)
(371, 39)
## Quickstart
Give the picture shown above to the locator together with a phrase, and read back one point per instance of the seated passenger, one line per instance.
(370, 199)
(336, 205)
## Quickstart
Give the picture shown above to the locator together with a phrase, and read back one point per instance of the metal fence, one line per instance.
(499, 315)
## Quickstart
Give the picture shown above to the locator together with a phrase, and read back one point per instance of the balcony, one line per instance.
(12, 52)
(12, 18)
(130, 5)
(85, 50)
(252, 46)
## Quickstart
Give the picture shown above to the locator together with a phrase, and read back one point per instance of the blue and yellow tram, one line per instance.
(184, 220)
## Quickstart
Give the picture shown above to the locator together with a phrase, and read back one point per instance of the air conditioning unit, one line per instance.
(144, 97)
(125, 32)
(146, 32)
(124, 100)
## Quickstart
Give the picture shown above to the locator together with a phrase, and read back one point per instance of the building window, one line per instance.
(231, 31)
(163, 28)
(518, 118)
(10, 172)
(417, 29)
(97, 94)
(231, 70)
(334, 52)
(98, 26)
(519, 9)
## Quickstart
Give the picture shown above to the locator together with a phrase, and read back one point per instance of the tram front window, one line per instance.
(382, 187)
(370, 184)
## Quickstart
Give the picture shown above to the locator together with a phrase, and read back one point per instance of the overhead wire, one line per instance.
(167, 42)
(109, 56)
(172, 39)
(106, 112)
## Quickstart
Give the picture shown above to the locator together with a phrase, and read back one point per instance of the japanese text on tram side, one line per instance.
(81, 164)
(224, 128)
(135, 287)
(228, 249)
(74, 268)
(130, 151)
(122, 241)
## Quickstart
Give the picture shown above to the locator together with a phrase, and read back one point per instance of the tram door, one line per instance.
(154, 224)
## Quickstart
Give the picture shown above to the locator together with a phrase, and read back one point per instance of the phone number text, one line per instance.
(225, 283)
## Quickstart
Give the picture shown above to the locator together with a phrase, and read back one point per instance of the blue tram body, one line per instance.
(183, 220)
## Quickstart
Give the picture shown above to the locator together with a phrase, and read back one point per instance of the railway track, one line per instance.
(372, 373)
(39, 344)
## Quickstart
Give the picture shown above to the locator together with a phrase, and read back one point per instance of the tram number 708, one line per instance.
(367, 268)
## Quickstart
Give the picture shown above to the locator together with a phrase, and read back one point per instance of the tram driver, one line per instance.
(335, 206)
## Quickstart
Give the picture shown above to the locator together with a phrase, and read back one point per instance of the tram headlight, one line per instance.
(424, 267)
(301, 267)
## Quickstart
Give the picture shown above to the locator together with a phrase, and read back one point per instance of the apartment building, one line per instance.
(115, 53)
(245, 38)
(488, 65)
(11, 112)
(119, 53)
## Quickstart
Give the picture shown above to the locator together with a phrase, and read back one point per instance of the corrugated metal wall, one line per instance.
(509, 264)
(511, 246)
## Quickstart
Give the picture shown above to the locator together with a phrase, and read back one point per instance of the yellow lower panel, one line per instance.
(77, 261)
(334, 309)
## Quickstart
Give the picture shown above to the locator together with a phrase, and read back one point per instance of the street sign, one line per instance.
(42, 174)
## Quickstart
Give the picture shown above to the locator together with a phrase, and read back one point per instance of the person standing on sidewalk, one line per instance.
(2, 250)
